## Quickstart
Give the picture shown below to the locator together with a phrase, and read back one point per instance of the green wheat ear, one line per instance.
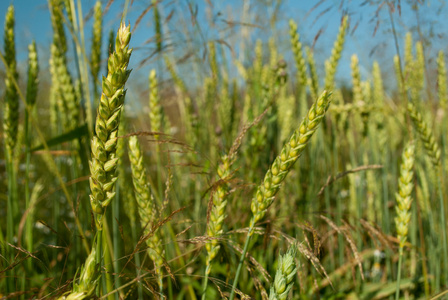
(332, 63)
(11, 110)
(403, 196)
(441, 80)
(87, 281)
(96, 40)
(104, 160)
(155, 109)
(286, 271)
(147, 209)
(425, 133)
(290, 153)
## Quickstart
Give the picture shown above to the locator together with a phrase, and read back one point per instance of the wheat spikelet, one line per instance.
(11, 109)
(258, 60)
(397, 68)
(441, 80)
(87, 281)
(425, 134)
(66, 90)
(284, 276)
(356, 80)
(155, 109)
(33, 80)
(157, 26)
(57, 17)
(146, 206)
(298, 54)
(417, 75)
(283, 163)
(95, 56)
(104, 161)
(218, 212)
(403, 196)
(332, 63)
(378, 89)
(213, 61)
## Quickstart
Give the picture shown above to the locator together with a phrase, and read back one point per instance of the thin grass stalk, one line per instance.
(273, 179)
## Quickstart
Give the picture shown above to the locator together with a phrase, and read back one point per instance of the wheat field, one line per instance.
(235, 169)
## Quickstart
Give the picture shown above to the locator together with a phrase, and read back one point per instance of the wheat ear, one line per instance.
(284, 276)
(146, 205)
(292, 150)
(441, 80)
(290, 153)
(155, 109)
(95, 57)
(403, 196)
(425, 134)
(104, 161)
(11, 110)
(332, 63)
(87, 281)
(404, 201)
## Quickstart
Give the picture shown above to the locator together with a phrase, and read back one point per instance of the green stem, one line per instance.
(242, 258)
(99, 259)
(400, 259)
(116, 236)
(28, 224)
(137, 260)
(442, 220)
(10, 221)
(107, 244)
(207, 271)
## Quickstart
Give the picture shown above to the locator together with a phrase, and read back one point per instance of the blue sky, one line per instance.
(314, 17)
